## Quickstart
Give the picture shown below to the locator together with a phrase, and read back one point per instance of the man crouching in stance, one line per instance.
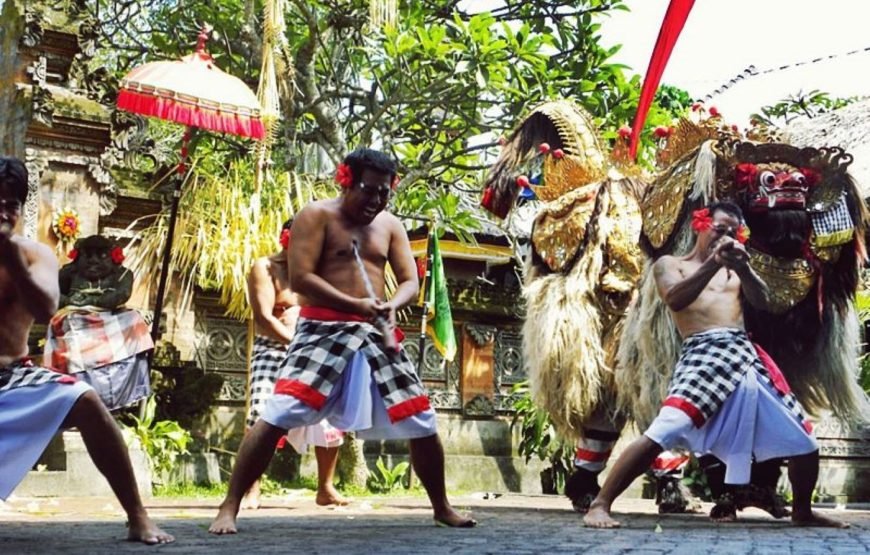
(344, 362)
(726, 396)
(36, 402)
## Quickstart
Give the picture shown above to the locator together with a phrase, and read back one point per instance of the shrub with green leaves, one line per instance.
(162, 440)
(387, 479)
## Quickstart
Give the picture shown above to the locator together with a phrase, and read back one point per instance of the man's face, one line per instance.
(368, 196)
(10, 207)
(724, 225)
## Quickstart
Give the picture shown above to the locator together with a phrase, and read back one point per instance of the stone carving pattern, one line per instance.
(41, 102)
(222, 346)
(480, 334)
(479, 406)
(509, 368)
(36, 164)
(442, 378)
(33, 30)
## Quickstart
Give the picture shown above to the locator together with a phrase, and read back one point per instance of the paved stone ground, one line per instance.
(515, 524)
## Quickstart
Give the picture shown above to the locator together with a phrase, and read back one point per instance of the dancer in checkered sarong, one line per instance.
(340, 365)
(275, 309)
(726, 397)
(36, 402)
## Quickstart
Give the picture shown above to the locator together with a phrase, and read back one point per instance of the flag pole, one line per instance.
(427, 280)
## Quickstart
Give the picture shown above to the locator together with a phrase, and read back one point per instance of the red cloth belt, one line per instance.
(326, 314)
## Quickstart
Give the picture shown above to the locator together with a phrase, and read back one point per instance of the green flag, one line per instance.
(439, 321)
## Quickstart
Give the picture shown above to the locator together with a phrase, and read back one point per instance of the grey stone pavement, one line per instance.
(511, 523)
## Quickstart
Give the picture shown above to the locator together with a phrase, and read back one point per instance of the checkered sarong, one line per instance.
(711, 366)
(321, 351)
(266, 358)
(80, 340)
(834, 226)
(24, 373)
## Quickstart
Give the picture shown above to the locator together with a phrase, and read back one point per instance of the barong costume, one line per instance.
(107, 349)
(728, 398)
(266, 358)
(34, 402)
(338, 368)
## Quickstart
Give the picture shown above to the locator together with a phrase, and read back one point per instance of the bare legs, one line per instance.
(427, 457)
(327, 459)
(803, 472)
(255, 453)
(632, 463)
(107, 449)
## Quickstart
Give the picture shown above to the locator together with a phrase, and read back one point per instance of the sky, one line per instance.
(724, 37)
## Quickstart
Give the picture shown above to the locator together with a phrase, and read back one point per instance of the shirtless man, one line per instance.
(275, 310)
(726, 397)
(338, 365)
(30, 395)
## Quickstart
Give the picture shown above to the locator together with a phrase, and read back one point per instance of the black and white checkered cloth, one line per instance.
(267, 355)
(833, 221)
(711, 366)
(24, 373)
(322, 350)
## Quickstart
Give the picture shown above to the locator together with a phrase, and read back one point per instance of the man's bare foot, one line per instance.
(815, 519)
(224, 522)
(142, 529)
(599, 517)
(451, 519)
(329, 496)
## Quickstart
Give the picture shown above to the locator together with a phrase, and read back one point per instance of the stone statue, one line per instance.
(93, 335)
(95, 277)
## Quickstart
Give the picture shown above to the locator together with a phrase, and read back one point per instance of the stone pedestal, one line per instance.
(66, 469)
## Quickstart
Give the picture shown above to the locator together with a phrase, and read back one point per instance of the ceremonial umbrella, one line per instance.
(194, 92)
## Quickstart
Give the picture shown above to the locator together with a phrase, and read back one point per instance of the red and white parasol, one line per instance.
(194, 92)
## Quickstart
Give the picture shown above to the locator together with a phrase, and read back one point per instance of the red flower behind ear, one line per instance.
(344, 175)
(285, 238)
(813, 176)
(701, 220)
(745, 175)
(73, 254)
(743, 233)
(117, 255)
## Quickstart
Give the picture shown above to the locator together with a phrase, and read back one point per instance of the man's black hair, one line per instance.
(363, 158)
(287, 225)
(728, 207)
(13, 176)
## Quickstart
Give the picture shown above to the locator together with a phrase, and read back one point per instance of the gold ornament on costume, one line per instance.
(560, 226)
(788, 280)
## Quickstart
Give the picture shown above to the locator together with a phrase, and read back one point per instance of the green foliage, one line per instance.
(862, 305)
(162, 440)
(189, 490)
(387, 479)
(809, 105)
(538, 438)
(185, 393)
(436, 91)
(696, 480)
